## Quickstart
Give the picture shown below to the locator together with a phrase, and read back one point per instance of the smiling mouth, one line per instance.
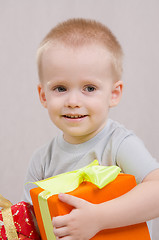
(74, 116)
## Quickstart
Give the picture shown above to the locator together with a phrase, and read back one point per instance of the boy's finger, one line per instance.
(61, 232)
(71, 200)
(60, 221)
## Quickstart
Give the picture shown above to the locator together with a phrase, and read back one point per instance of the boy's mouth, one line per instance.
(74, 116)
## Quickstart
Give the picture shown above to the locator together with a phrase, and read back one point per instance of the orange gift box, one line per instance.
(90, 192)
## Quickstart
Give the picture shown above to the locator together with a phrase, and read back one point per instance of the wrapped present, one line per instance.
(17, 222)
(93, 183)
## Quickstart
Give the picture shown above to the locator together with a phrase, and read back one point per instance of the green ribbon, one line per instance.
(69, 181)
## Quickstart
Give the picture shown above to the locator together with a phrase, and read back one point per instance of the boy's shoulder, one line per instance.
(118, 129)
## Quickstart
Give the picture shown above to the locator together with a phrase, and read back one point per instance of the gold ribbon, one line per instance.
(4, 203)
(69, 181)
(8, 221)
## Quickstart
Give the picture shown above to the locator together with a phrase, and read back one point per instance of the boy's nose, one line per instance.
(73, 100)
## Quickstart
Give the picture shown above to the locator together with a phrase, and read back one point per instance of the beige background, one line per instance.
(24, 124)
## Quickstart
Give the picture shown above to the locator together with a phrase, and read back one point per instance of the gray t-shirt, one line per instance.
(114, 145)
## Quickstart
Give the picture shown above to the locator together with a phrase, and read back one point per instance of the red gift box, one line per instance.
(22, 216)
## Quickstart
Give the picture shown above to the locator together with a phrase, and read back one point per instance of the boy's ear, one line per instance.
(116, 93)
(42, 96)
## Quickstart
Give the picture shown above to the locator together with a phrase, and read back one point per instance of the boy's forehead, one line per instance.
(95, 50)
(60, 61)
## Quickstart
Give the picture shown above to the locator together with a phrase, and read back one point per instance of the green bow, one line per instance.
(67, 182)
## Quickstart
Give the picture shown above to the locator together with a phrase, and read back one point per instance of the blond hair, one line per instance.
(78, 32)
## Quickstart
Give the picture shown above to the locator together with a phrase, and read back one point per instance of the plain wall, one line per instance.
(24, 124)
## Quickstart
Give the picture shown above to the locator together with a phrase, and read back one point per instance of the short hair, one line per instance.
(77, 32)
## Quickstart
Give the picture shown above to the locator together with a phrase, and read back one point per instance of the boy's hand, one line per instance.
(80, 224)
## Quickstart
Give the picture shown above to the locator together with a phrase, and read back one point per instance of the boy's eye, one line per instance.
(89, 88)
(60, 89)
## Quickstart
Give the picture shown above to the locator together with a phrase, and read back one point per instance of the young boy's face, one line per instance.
(78, 88)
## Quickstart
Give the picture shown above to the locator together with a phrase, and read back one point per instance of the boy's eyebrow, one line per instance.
(58, 81)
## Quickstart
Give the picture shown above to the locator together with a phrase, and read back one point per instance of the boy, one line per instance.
(80, 68)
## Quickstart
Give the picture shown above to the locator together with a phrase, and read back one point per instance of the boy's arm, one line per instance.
(85, 220)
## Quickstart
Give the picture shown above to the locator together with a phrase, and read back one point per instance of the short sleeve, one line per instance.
(133, 158)
(34, 173)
